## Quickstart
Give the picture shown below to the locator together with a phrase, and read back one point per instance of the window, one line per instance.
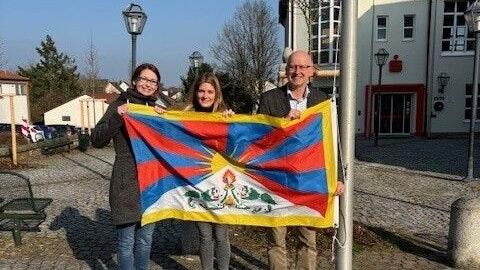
(468, 102)
(408, 26)
(66, 118)
(455, 36)
(19, 89)
(325, 32)
(382, 28)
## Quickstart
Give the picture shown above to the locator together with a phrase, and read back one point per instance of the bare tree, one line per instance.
(247, 48)
(91, 67)
(92, 73)
(309, 10)
(3, 54)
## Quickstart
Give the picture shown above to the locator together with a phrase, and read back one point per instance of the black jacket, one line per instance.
(124, 191)
(276, 102)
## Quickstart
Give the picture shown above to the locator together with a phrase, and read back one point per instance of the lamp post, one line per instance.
(443, 79)
(381, 58)
(135, 20)
(196, 60)
(472, 17)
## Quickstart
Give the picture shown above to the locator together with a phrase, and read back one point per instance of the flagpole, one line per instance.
(347, 128)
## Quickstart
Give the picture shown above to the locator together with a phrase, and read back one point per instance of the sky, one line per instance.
(174, 29)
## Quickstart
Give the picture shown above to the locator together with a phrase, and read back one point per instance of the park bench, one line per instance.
(48, 147)
(19, 209)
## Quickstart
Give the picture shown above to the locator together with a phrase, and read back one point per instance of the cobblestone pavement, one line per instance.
(77, 234)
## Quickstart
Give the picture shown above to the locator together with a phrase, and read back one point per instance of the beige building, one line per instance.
(81, 111)
(426, 40)
(17, 86)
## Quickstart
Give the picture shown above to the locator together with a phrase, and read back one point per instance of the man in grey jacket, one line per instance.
(289, 101)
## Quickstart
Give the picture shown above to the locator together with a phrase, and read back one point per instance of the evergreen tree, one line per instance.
(188, 81)
(53, 81)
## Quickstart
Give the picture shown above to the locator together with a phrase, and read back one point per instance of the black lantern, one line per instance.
(196, 60)
(381, 56)
(135, 20)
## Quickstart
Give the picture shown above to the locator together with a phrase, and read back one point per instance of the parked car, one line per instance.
(49, 132)
(36, 134)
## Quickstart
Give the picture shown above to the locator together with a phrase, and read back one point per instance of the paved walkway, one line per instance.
(397, 195)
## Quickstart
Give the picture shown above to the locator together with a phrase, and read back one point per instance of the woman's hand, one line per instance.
(122, 109)
(228, 113)
(159, 109)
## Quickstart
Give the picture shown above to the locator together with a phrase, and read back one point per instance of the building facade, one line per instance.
(83, 111)
(426, 41)
(12, 84)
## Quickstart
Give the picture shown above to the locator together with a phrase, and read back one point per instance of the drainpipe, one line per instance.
(430, 70)
(368, 112)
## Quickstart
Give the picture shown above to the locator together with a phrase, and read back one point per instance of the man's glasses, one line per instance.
(147, 81)
(300, 67)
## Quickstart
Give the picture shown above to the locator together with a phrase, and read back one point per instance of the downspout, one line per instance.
(292, 25)
(430, 70)
(368, 122)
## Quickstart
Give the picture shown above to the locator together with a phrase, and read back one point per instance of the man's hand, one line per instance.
(294, 114)
(340, 188)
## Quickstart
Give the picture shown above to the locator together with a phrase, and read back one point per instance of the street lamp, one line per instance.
(443, 79)
(381, 58)
(472, 17)
(196, 60)
(135, 20)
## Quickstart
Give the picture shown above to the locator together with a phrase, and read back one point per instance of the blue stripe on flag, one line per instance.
(144, 153)
(173, 130)
(304, 138)
(242, 135)
(154, 192)
(313, 181)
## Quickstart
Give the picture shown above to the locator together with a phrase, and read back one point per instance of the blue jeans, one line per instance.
(133, 246)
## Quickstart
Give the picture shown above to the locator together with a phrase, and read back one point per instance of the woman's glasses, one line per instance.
(147, 81)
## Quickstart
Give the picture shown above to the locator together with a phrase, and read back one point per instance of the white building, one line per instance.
(424, 39)
(70, 113)
(17, 86)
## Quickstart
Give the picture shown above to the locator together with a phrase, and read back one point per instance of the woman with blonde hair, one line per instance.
(206, 96)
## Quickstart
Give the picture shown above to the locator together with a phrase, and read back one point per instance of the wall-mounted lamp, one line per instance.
(443, 79)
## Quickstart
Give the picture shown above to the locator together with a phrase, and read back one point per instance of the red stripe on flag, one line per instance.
(212, 134)
(273, 139)
(157, 140)
(315, 201)
(308, 159)
(150, 172)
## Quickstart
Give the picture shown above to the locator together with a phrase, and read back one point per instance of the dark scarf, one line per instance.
(135, 97)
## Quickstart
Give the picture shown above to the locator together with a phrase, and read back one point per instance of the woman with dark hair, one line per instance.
(206, 96)
(133, 240)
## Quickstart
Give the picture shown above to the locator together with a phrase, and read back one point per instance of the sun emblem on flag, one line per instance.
(227, 193)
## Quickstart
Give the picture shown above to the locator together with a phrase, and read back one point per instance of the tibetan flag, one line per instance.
(248, 170)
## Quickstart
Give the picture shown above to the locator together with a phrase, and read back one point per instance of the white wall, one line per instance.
(20, 105)
(73, 110)
(460, 70)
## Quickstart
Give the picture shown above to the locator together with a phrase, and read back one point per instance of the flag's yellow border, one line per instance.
(325, 108)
